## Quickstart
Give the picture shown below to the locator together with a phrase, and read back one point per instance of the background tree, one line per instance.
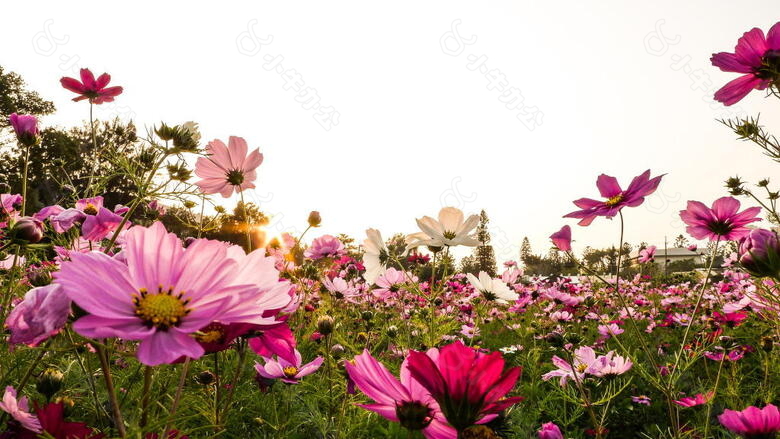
(15, 98)
(681, 241)
(484, 256)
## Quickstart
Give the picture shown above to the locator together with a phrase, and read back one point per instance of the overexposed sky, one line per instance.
(609, 86)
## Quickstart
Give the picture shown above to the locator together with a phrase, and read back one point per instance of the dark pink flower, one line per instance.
(759, 253)
(562, 239)
(616, 198)
(97, 227)
(26, 128)
(42, 313)
(550, 431)
(466, 383)
(90, 88)
(721, 222)
(698, 399)
(757, 57)
(404, 401)
(752, 422)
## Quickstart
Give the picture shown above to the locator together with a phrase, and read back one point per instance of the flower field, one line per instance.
(136, 306)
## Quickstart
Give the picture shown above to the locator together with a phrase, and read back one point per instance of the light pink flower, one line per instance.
(19, 410)
(326, 246)
(161, 295)
(227, 168)
(646, 255)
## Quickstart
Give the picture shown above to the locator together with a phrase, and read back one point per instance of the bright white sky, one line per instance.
(418, 128)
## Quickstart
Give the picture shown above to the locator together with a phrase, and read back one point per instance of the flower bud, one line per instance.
(206, 377)
(50, 382)
(26, 128)
(325, 325)
(392, 331)
(315, 219)
(337, 350)
(759, 253)
(28, 229)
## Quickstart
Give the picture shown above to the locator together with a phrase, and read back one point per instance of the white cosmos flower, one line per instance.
(375, 254)
(450, 230)
(492, 289)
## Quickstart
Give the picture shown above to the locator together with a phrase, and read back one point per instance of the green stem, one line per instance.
(146, 395)
(236, 377)
(24, 179)
(117, 413)
(177, 397)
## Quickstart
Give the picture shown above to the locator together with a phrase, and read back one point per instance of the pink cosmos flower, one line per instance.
(698, 399)
(404, 401)
(641, 399)
(274, 340)
(97, 227)
(25, 127)
(757, 57)
(562, 239)
(466, 383)
(42, 313)
(161, 294)
(611, 329)
(288, 372)
(585, 362)
(721, 222)
(90, 88)
(616, 198)
(19, 410)
(10, 204)
(647, 255)
(752, 422)
(227, 168)
(550, 431)
(326, 246)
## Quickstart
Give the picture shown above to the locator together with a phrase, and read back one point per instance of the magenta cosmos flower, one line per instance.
(405, 401)
(757, 57)
(19, 409)
(562, 239)
(25, 127)
(90, 88)
(693, 401)
(549, 431)
(466, 383)
(721, 222)
(41, 314)
(160, 293)
(752, 422)
(227, 168)
(288, 372)
(616, 198)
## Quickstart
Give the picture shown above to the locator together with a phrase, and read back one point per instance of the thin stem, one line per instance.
(236, 377)
(24, 178)
(248, 223)
(147, 395)
(177, 397)
(94, 149)
(117, 413)
(714, 392)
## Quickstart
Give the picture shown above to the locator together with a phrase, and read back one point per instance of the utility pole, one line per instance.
(666, 257)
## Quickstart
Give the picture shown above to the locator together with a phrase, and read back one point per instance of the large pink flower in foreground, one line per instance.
(616, 198)
(227, 168)
(722, 222)
(404, 401)
(466, 383)
(752, 422)
(163, 293)
(757, 57)
(90, 88)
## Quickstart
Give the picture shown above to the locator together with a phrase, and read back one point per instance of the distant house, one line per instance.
(674, 254)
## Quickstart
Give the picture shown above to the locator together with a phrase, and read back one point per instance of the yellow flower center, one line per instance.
(582, 368)
(614, 200)
(290, 371)
(90, 209)
(209, 336)
(162, 310)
